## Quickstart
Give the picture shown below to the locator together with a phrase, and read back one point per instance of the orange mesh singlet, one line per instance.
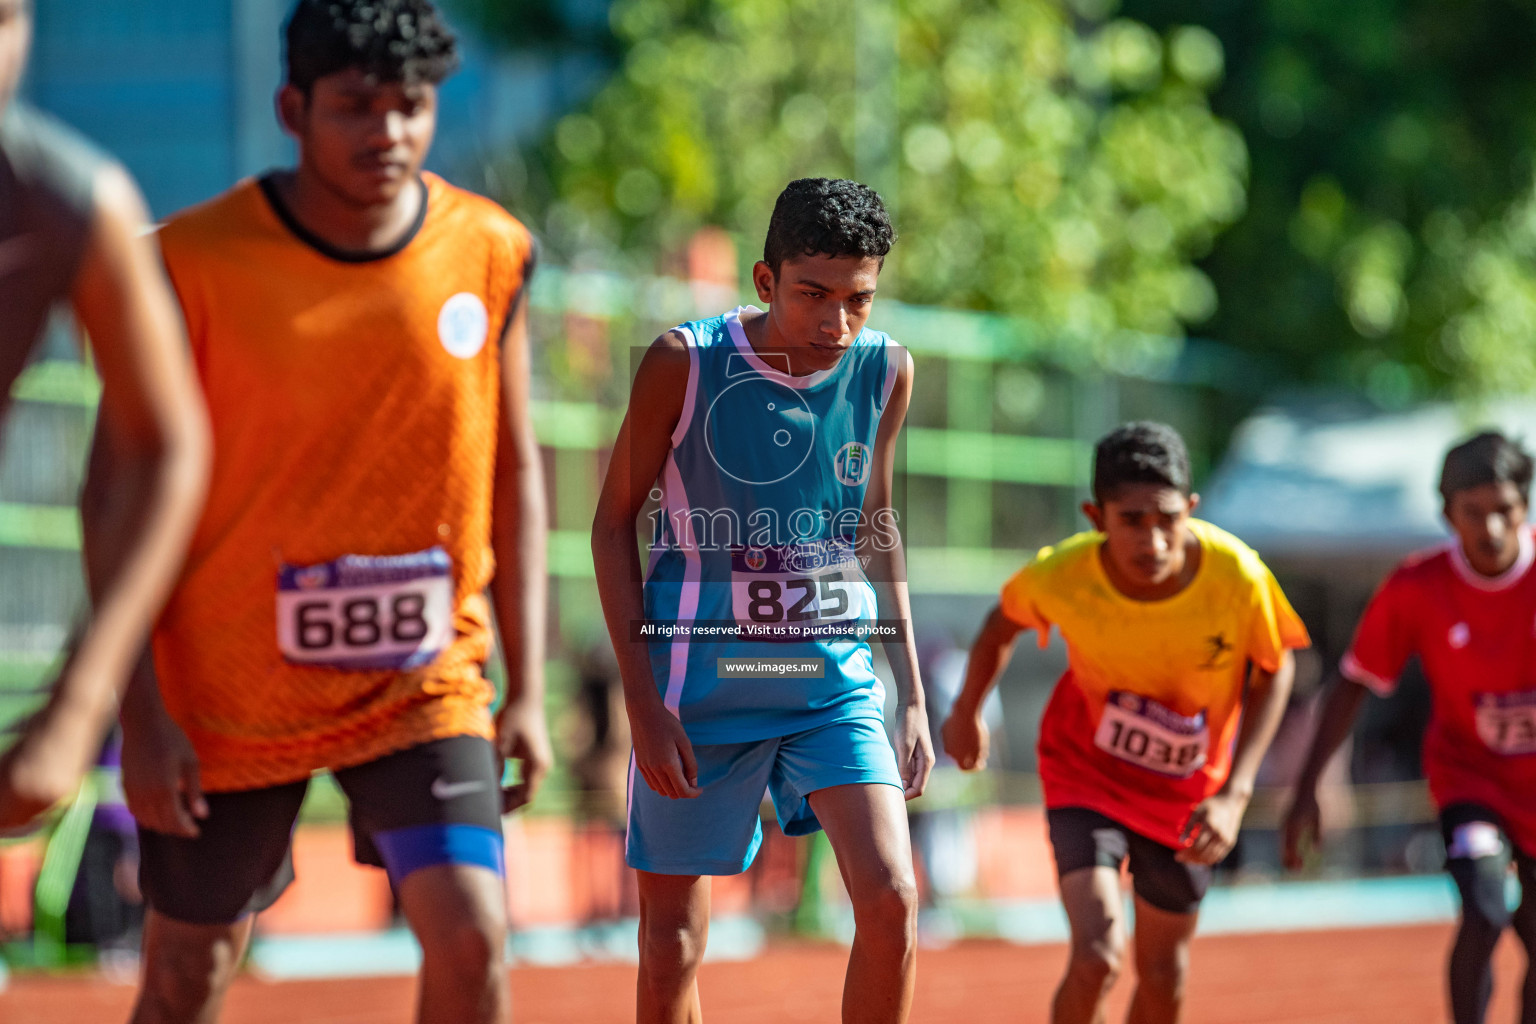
(355, 409)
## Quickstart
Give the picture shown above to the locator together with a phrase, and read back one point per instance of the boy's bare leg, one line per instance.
(187, 969)
(1162, 963)
(1095, 912)
(867, 825)
(458, 913)
(674, 926)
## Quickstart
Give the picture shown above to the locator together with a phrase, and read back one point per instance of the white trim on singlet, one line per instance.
(676, 506)
(685, 418)
(892, 369)
(744, 346)
(629, 802)
(1504, 580)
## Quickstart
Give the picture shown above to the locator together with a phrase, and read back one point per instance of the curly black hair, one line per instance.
(390, 40)
(1139, 453)
(827, 217)
(1487, 458)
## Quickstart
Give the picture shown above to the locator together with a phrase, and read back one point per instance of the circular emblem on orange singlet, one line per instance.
(462, 325)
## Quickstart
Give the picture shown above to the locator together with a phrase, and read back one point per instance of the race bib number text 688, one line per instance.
(363, 611)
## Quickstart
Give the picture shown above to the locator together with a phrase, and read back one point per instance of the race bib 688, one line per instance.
(366, 611)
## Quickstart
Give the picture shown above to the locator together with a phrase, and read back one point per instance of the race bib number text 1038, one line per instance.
(1145, 733)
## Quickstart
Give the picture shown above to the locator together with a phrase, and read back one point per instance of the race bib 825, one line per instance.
(775, 590)
(366, 611)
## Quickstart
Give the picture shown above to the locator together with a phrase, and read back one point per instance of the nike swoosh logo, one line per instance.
(13, 252)
(445, 790)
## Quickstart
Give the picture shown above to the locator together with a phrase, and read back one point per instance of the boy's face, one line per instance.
(1146, 530)
(818, 304)
(365, 139)
(1488, 520)
(15, 40)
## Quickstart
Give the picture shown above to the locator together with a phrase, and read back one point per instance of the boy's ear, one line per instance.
(292, 108)
(763, 280)
(1095, 515)
(1194, 503)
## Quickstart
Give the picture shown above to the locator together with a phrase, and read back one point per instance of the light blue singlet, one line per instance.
(761, 500)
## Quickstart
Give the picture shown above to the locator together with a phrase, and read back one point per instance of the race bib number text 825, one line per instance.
(805, 584)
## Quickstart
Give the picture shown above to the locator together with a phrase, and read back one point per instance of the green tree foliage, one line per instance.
(1390, 239)
(1041, 159)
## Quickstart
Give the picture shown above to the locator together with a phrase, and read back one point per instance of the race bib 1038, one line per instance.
(777, 592)
(1145, 733)
(1506, 722)
(366, 611)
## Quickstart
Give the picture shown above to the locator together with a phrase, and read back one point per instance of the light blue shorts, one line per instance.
(718, 832)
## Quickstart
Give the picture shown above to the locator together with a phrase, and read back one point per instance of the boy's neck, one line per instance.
(343, 224)
(764, 338)
(1175, 583)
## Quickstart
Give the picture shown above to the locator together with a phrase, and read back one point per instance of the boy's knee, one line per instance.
(671, 948)
(470, 947)
(1164, 973)
(888, 913)
(1097, 962)
(181, 980)
(1484, 912)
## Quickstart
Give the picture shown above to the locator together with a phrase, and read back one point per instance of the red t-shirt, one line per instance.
(1476, 639)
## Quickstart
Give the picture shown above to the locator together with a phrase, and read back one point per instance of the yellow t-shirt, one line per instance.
(1142, 724)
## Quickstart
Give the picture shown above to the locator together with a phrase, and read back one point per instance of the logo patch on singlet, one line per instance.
(463, 324)
(851, 466)
(1459, 636)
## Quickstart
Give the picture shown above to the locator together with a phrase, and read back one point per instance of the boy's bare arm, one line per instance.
(888, 571)
(142, 497)
(965, 734)
(663, 754)
(1335, 721)
(519, 586)
(1213, 825)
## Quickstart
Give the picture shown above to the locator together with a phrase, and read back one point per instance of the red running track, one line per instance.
(1376, 976)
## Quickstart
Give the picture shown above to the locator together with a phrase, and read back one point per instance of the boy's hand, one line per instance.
(1211, 830)
(967, 739)
(663, 754)
(44, 767)
(1301, 828)
(160, 776)
(521, 735)
(914, 750)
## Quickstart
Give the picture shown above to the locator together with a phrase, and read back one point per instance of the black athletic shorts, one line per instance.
(1087, 839)
(438, 803)
(1472, 831)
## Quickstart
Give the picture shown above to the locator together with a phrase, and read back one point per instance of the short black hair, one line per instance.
(1139, 453)
(827, 217)
(390, 40)
(1485, 458)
